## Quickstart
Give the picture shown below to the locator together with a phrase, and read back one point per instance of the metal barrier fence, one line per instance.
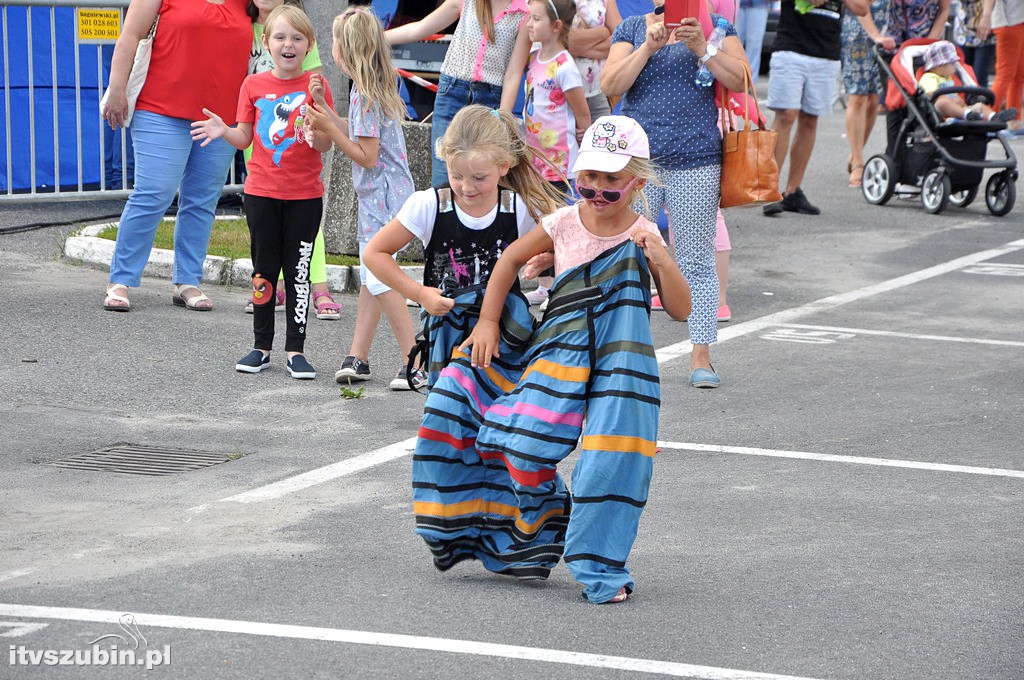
(56, 61)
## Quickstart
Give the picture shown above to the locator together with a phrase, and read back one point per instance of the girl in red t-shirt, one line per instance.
(283, 191)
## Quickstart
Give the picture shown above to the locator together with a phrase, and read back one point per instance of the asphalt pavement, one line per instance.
(847, 505)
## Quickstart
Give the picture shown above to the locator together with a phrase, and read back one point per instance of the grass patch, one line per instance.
(348, 393)
(230, 239)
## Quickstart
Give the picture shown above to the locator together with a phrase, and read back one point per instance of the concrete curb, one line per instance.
(86, 246)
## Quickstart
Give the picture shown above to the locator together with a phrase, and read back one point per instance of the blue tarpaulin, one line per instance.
(77, 115)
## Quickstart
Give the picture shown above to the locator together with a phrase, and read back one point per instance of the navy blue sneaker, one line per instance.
(300, 369)
(352, 369)
(253, 362)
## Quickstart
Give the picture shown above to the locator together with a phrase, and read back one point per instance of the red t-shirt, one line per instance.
(200, 57)
(283, 164)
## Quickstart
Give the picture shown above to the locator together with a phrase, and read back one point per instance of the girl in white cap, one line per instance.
(590, 376)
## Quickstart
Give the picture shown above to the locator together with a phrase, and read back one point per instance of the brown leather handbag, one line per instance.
(749, 171)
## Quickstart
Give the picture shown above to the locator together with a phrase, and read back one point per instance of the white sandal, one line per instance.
(115, 302)
(198, 303)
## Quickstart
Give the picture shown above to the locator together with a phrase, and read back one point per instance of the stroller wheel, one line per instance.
(1000, 193)
(935, 190)
(962, 199)
(879, 180)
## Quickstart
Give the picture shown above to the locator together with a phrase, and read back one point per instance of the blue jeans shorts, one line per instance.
(452, 95)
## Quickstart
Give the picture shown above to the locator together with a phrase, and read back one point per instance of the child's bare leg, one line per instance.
(949, 108)
(367, 318)
(397, 313)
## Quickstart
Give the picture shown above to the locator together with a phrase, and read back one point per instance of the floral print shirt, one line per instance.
(548, 119)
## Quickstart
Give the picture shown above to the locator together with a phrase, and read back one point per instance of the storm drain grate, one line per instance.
(141, 460)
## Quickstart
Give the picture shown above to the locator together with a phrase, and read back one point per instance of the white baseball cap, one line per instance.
(609, 143)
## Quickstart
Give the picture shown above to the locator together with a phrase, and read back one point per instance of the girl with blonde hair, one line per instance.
(372, 137)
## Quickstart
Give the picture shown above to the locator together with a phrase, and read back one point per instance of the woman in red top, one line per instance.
(200, 57)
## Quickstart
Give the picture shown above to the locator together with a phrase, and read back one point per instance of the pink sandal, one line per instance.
(326, 308)
(620, 596)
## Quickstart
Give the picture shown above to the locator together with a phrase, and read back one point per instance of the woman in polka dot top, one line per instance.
(654, 69)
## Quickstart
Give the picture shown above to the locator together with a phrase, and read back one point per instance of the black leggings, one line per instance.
(281, 233)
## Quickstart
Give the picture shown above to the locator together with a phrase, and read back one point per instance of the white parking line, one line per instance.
(320, 475)
(832, 458)
(908, 336)
(359, 637)
(831, 302)
(15, 573)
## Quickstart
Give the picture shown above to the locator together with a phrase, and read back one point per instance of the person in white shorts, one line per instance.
(802, 78)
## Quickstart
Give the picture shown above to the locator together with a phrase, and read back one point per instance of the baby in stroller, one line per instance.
(937, 146)
(941, 64)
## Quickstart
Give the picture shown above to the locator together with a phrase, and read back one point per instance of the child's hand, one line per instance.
(316, 89)
(537, 264)
(323, 118)
(484, 340)
(210, 129)
(654, 248)
(434, 302)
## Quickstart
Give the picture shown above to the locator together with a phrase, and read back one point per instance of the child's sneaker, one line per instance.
(724, 313)
(300, 369)
(656, 305)
(537, 296)
(253, 362)
(401, 380)
(352, 369)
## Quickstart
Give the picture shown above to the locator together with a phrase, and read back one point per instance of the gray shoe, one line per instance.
(402, 379)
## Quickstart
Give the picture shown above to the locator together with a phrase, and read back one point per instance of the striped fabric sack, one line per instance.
(440, 335)
(590, 371)
(465, 505)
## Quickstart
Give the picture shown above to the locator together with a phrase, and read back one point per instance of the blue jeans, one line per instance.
(751, 23)
(452, 95)
(168, 161)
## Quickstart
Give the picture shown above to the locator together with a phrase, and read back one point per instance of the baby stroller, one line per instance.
(942, 160)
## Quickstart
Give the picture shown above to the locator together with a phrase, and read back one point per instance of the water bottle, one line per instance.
(704, 77)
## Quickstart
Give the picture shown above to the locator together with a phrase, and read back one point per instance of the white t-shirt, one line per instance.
(418, 213)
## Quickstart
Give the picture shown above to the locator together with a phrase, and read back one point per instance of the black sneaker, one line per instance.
(253, 362)
(300, 369)
(798, 203)
(1004, 116)
(352, 369)
(771, 209)
(401, 380)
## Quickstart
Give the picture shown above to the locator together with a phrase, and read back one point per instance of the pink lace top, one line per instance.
(575, 245)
